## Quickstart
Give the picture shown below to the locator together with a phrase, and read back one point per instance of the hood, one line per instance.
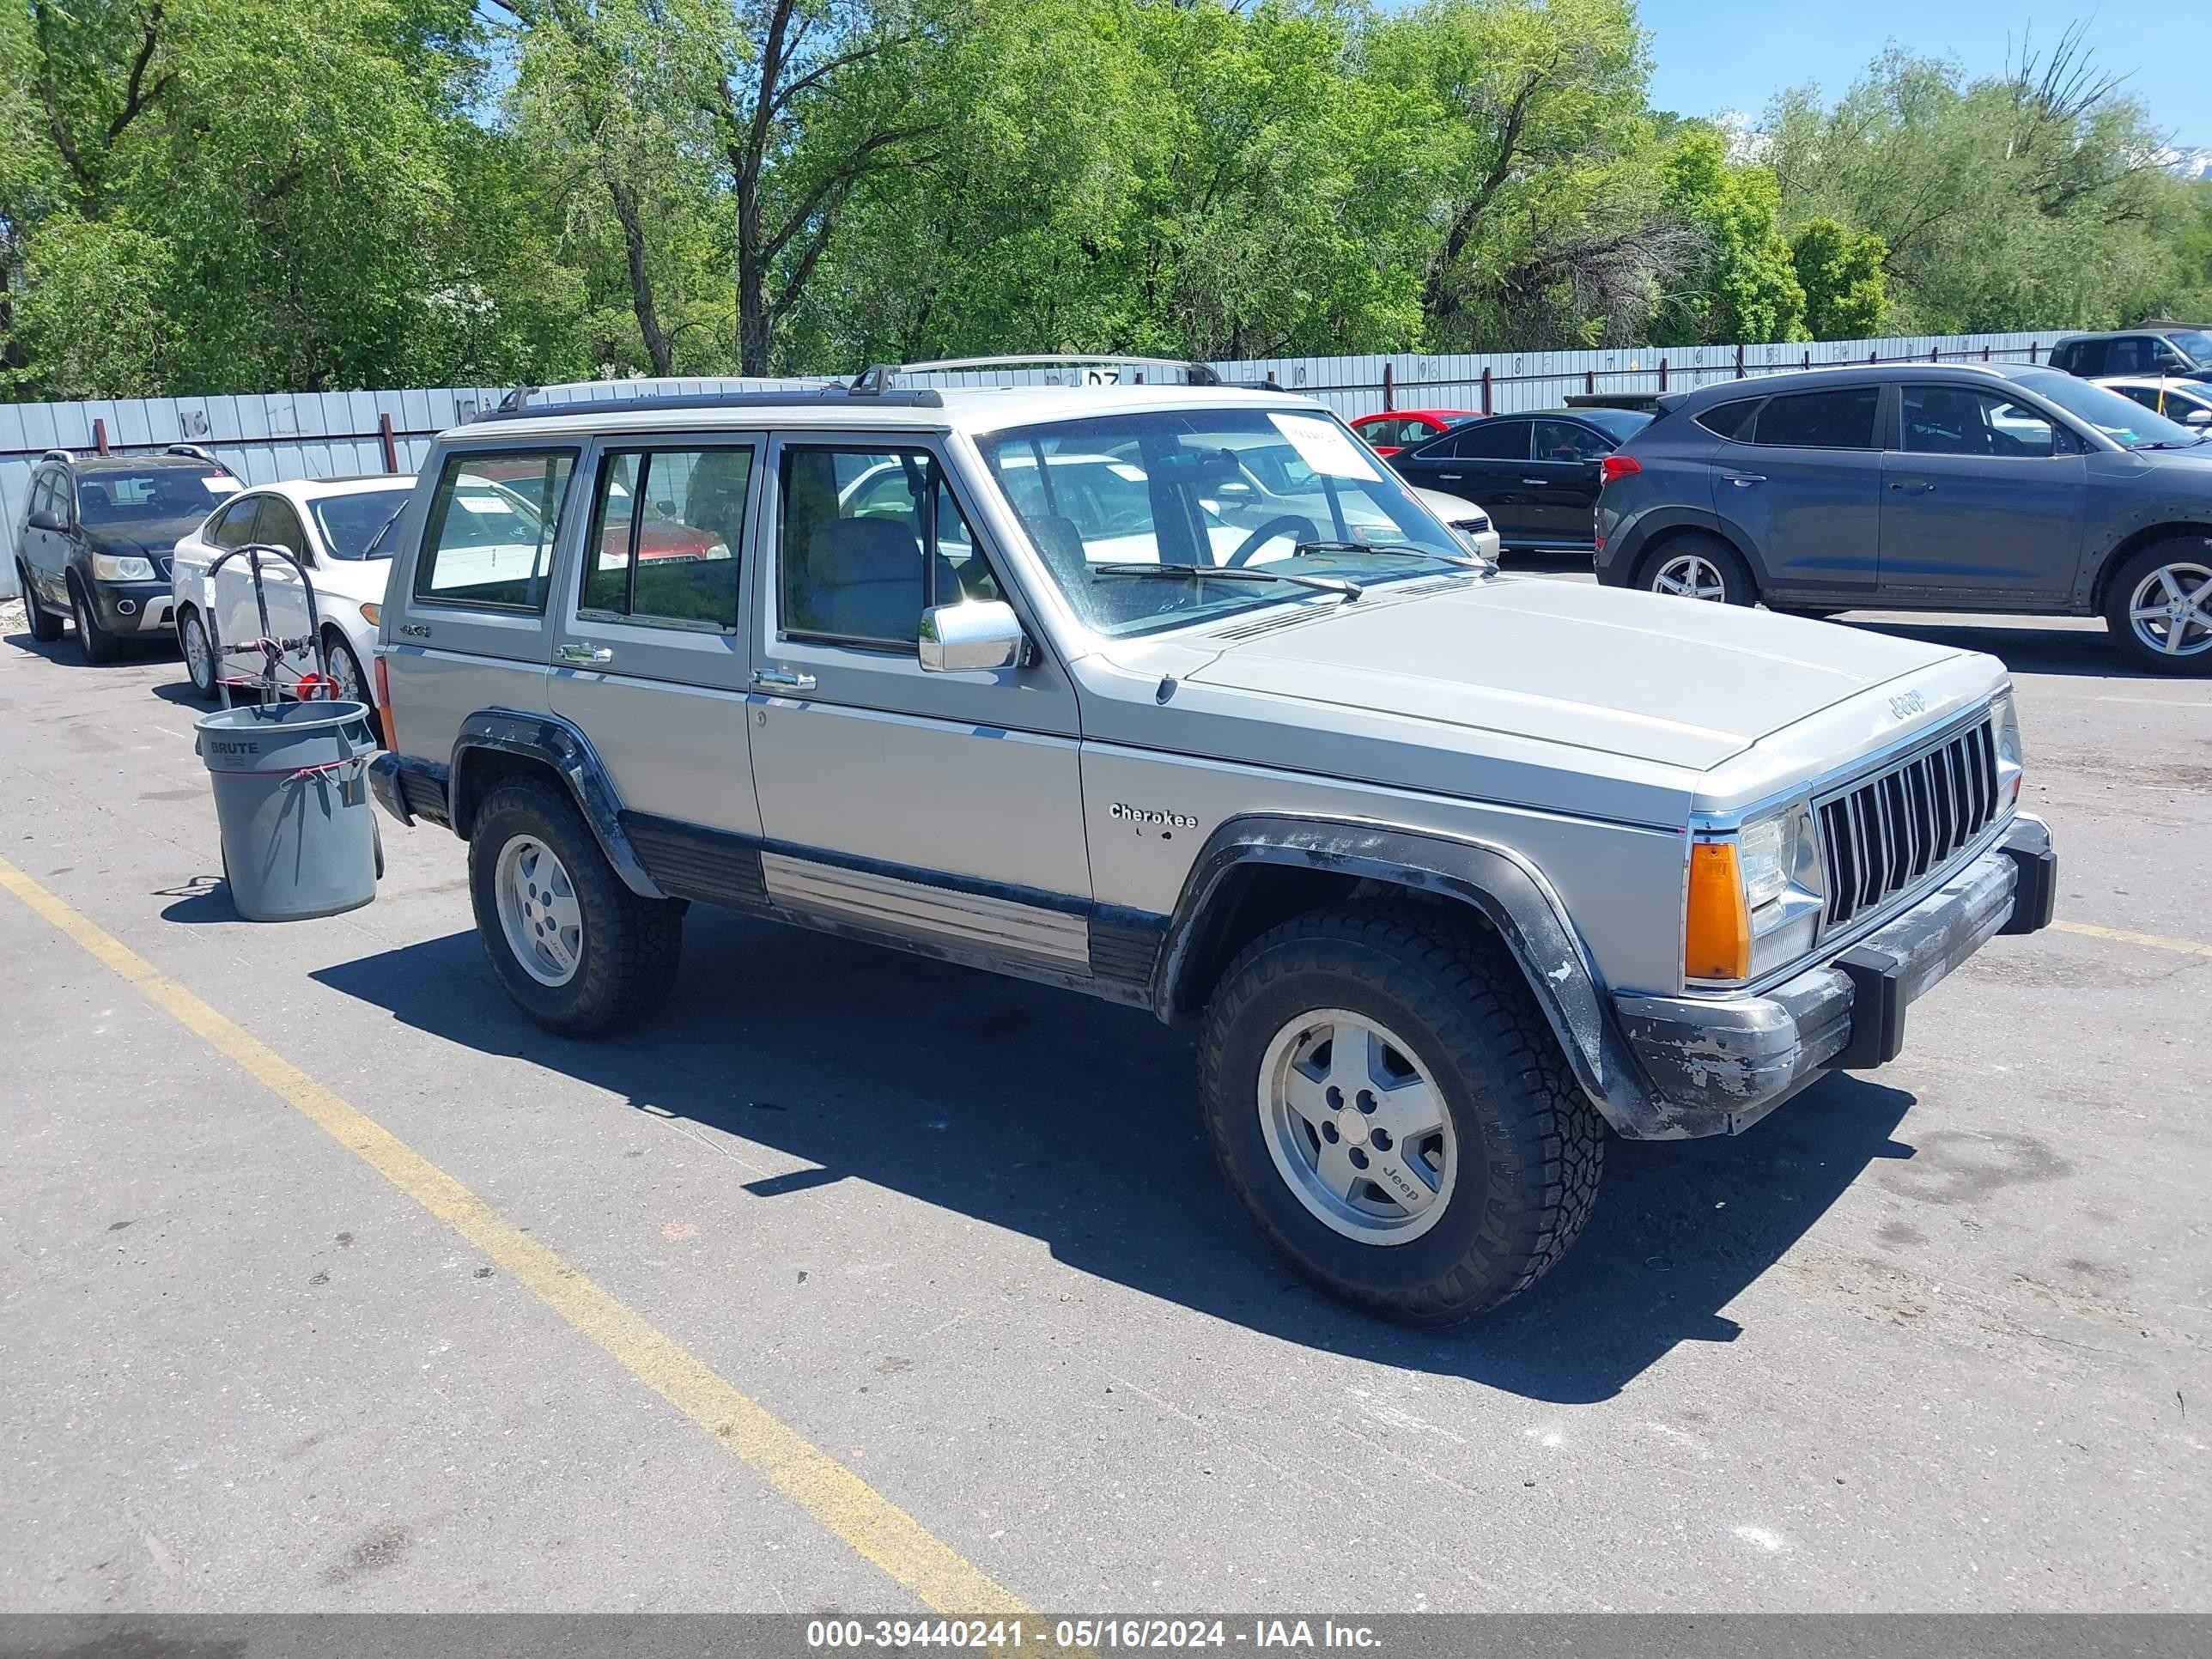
(353, 579)
(154, 541)
(1637, 675)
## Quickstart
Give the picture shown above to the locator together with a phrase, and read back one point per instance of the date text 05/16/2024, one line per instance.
(1002, 1635)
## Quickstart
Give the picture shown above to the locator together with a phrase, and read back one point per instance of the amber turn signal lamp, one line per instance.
(1717, 940)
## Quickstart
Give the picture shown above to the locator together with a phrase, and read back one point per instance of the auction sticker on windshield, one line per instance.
(1326, 447)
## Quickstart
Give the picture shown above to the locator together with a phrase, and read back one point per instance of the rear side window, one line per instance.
(1820, 420)
(2083, 357)
(1485, 440)
(1727, 420)
(234, 528)
(492, 526)
(668, 526)
(2130, 356)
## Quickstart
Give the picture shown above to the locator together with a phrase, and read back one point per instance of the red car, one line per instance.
(1401, 429)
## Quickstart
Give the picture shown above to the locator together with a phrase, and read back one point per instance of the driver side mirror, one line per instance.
(47, 519)
(976, 633)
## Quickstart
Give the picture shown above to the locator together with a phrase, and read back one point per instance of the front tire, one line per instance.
(580, 953)
(2158, 606)
(45, 627)
(95, 642)
(352, 683)
(1697, 567)
(199, 653)
(1386, 1098)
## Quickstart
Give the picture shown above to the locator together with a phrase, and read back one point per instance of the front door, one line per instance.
(1985, 497)
(1486, 462)
(942, 807)
(1802, 486)
(1563, 476)
(648, 652)
(46, 552)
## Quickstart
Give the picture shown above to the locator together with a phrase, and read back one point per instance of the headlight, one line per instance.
(122, 567)
(2012, 760)
(1754, 897)
(371, 612)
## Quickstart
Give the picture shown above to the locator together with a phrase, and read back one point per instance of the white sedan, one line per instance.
(1464, 518)
(333, 526)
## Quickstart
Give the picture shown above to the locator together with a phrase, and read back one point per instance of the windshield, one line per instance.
(1291, 493)
(2125, 422)
(2195, 343)
(349, 523)
(157, 495)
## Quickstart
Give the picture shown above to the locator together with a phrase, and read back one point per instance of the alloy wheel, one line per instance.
(198, 661)
(2170, 610)
(1357, 1126)
(538, 911)
(1690, 576)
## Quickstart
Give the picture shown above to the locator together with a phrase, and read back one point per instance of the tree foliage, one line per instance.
(205, 198)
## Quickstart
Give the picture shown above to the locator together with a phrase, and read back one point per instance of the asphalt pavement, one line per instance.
(856, 1281)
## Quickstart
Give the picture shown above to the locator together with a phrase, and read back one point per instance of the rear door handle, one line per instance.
(1744, 480)
(782, 679)
(1539, 483)
(585, 656)
(1451, 477)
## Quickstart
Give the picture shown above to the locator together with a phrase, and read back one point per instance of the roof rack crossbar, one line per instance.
(1196, 373)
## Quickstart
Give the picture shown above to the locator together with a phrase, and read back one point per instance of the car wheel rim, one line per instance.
(1358, 1128)
(2170, 610)
(349, 682)
(538, 911)
(196, 654)
(1690, 576)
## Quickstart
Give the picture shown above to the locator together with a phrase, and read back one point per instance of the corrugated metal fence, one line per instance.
(327, 435)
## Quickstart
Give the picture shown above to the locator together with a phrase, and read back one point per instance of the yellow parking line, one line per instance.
(2151, 941)
(869, 1523)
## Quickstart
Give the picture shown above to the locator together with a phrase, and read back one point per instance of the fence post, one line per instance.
(1874, 356)
(391, 448)
(2031, 345)
(1590, 382)
(1389, 384)
(100, 436)
(1663, 373)
(1985, 353)
(1485, 388)
(1936, 355)
(1738, 359)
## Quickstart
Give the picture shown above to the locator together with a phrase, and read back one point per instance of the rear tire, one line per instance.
(600, 956)
(98, 645)
(1507, 1174)
(1697, 567)
(2158, 606)
(45, 627)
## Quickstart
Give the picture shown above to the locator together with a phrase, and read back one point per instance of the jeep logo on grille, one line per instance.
(1905, 704)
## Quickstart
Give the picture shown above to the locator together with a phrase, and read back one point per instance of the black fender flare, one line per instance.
(1504, 887)
(563, 746)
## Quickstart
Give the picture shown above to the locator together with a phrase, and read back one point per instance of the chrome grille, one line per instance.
(1885, 833)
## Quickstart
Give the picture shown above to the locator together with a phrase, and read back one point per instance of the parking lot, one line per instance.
(855, 1281)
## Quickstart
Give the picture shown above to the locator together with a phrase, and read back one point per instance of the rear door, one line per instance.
(649, 653)
(1485, 462)
(468, 627)
(1985, 497)
(1801, 485)
(1563, 476)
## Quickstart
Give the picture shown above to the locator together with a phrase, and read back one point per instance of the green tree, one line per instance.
(1840, 270)
(1747, 289)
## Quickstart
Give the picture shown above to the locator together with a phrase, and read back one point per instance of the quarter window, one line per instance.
(871, 538)
(1821, 420)
(493, 523)
(1727, 420)
(1954, 420)
(665, 532)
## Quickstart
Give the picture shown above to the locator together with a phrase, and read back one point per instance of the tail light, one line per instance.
(1616, 466)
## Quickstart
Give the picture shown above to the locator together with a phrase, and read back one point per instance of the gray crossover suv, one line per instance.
(1923, 486)
(1179, 698)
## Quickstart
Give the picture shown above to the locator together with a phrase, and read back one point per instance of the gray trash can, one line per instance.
(291, 798)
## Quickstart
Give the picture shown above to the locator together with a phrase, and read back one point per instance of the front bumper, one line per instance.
(133, 607)
(1721, 1064)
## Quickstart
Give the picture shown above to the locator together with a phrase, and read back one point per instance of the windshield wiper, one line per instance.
(1402, 550)
(1341, 587)
(369, 550)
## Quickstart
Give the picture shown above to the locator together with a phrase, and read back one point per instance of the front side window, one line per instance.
(1820, 420)
(1156, 520)
(280, 526)
(493, 522)
(47, 495)
(1951, 420)
(666, 528)
(1569, 440)
(871, 538)
(2193, 343)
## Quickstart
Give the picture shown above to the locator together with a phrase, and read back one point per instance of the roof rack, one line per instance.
(918, 398)
(877, 379)
(195, 451)
(56, 455)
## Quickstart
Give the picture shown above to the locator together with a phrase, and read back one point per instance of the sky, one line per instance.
(1714, 55)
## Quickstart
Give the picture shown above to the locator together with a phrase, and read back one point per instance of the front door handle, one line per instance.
(1913, 486)
(585, 656)
(782, 679)
(1451, 477)
(1744, 480)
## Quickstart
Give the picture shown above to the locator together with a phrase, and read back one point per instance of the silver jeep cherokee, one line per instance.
(1172, 694)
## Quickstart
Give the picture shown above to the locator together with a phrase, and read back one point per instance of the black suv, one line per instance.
(96, 538)
(2157, 348)
(1923, 486)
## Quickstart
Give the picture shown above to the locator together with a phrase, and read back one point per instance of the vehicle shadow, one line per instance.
(135, 651)
(1075, 1122)
(2021, 647)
